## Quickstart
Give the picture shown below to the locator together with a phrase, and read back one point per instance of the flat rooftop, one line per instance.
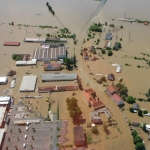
(2, 113)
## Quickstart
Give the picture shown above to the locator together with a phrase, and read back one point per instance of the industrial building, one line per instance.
(28, 84)
(11, 43)
(52, 53)
(3, 113)
(38, 40)
(4, 100)
(26, 63)
(59, 77)
(3, 80)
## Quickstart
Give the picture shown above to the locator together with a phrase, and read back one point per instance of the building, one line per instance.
(39, 40)
(111, 90)
(57, 88)
(52, 53)
(85, 55)
(4, 100)
(108, 36)
(57, 39)
(88, 96)
(136, 124)
(26, 63)
(3, 80)
(107, 44)
(48, 45)
(11, 73)
(52, 67)
(111, 77)
(117, 99)
(135, 106)
(119, 69)
(2, 137)
(117, 46)
(59, 77)
(95, 117)
(79, 137)
(28, 84)
(3, 113)
(11, 43)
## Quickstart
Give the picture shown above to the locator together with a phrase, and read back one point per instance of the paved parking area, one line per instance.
(38, 136)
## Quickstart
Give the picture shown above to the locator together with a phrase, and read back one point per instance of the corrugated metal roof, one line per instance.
(56, 77)
(28, 83)
(3, 79)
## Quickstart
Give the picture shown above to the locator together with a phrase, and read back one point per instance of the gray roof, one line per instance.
(28, 83)
(58, 76)
(135, 106)
(108, 36)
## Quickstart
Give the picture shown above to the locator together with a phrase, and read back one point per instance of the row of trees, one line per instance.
(73, 107)
(50, 8)
(137, 141)
(96, 27)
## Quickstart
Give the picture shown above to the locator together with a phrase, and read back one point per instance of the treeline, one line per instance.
(96, 27)
(50, 8)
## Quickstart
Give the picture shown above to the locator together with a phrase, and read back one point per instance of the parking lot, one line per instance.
(32, 135)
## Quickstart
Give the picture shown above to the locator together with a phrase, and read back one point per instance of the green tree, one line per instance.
(105, 23)
(140, 113)
(121, 26)
(110, 53)
(137, 139)
(144, 127)
(130, 100)
(134, 133)
(95, 130)
(48, 35)
(67, 62)
(74, 60)
(73, 107)
(140, 146)
(145, 112)
(103, 51)
(122, 89)
(131, 109)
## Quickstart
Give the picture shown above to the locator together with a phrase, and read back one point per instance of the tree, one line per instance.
(48, 35)
(110, 53)
(130, 100)
(95, 130)
(145, 112)
(67, 62)
(139, 146)
(73, 107)
(103, 78)
(144, 127)
(121, 26)
(134, 133)
(140, 113)
(137, 139)
(74, 60)
(122, 89)
(131, 109)
(103, 51)
(105, 23)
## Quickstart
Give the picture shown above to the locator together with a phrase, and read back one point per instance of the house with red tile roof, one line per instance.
(85, 55)
(111, 90)
(117, 99)
(89, 98)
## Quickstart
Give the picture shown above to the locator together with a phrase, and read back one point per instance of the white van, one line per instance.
(25, 136)
(24, 145)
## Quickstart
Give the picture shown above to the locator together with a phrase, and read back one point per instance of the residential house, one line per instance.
(107, 44)
(135, 106)
(111, 77)
(108, 36)
(111, 90)
(117, 46)
(52, 67)
(117, 99)
(89, 98)
(95, 117)
(85, 55)
(79, 136)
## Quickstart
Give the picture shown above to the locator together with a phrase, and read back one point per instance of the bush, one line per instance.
(145, 112)
(112, 25)
(139, 146)
(105, 23)
(103, 51)
(130, 100)
(134, 133)
(121, 26)
(95, 28)
(137, 139)
(110, 53)
(108, 48)
(95, 130)
(140, 113)
(120, 39)
(131, 109)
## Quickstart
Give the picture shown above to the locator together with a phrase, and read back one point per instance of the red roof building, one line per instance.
(52, 67)
(79, 137)
(85, 55)
(111, 89)
(117, 99)
(88, 96)
(11, 43)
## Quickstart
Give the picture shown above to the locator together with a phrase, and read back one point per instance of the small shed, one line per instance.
(111, 77)
(135, 106)
(136, 124)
